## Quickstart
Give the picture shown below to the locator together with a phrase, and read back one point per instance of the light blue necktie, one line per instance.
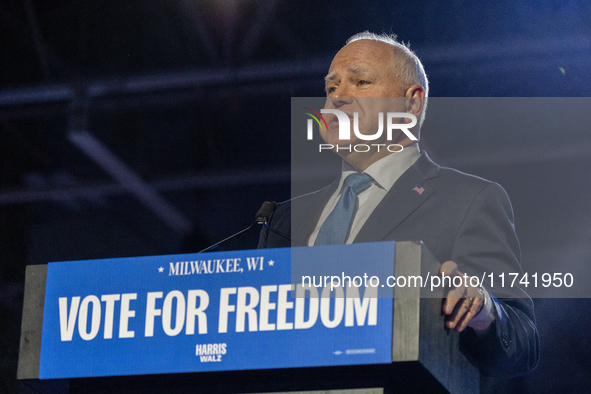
(335, 228)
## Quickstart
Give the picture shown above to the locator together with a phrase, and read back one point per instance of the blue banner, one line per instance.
(207, 312)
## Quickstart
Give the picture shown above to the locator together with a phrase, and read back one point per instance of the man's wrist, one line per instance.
(486, 316)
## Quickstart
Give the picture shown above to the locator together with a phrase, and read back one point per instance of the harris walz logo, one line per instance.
(344, 122)
(210, 352)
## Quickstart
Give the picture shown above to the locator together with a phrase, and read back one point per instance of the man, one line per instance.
(400, 194)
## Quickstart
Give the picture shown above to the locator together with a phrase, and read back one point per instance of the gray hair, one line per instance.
(407, 66)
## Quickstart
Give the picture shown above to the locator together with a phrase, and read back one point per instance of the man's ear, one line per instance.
(415, 100)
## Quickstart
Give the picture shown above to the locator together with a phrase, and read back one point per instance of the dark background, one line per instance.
(191, 99)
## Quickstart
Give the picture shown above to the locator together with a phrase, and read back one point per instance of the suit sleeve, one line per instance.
(276, 233)
(486, 243)
(263, 237)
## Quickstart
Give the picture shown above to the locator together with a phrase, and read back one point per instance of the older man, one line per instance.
(467, 222)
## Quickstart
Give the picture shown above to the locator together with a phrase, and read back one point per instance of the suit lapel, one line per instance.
(306, 211)
(400, 201)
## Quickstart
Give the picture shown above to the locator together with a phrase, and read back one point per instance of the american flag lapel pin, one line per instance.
(419, 189)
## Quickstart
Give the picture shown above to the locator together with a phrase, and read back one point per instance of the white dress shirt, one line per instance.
(385, 173)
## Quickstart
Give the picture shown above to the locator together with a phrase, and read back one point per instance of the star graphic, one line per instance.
(161, 269)
(271, 262)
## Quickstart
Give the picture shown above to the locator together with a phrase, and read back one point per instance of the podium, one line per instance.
(92, 338)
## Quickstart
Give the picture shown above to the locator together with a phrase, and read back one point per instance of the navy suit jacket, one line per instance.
(459, 217)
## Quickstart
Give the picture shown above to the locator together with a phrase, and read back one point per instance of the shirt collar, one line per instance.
(387, 170)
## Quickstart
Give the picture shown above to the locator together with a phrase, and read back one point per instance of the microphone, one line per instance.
(265, 212)
(262, 217)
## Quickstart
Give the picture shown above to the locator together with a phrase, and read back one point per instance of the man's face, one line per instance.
(361, 79)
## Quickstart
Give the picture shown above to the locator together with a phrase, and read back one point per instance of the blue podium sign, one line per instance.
(207, 312)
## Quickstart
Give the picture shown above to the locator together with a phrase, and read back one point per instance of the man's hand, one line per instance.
(462, 302)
